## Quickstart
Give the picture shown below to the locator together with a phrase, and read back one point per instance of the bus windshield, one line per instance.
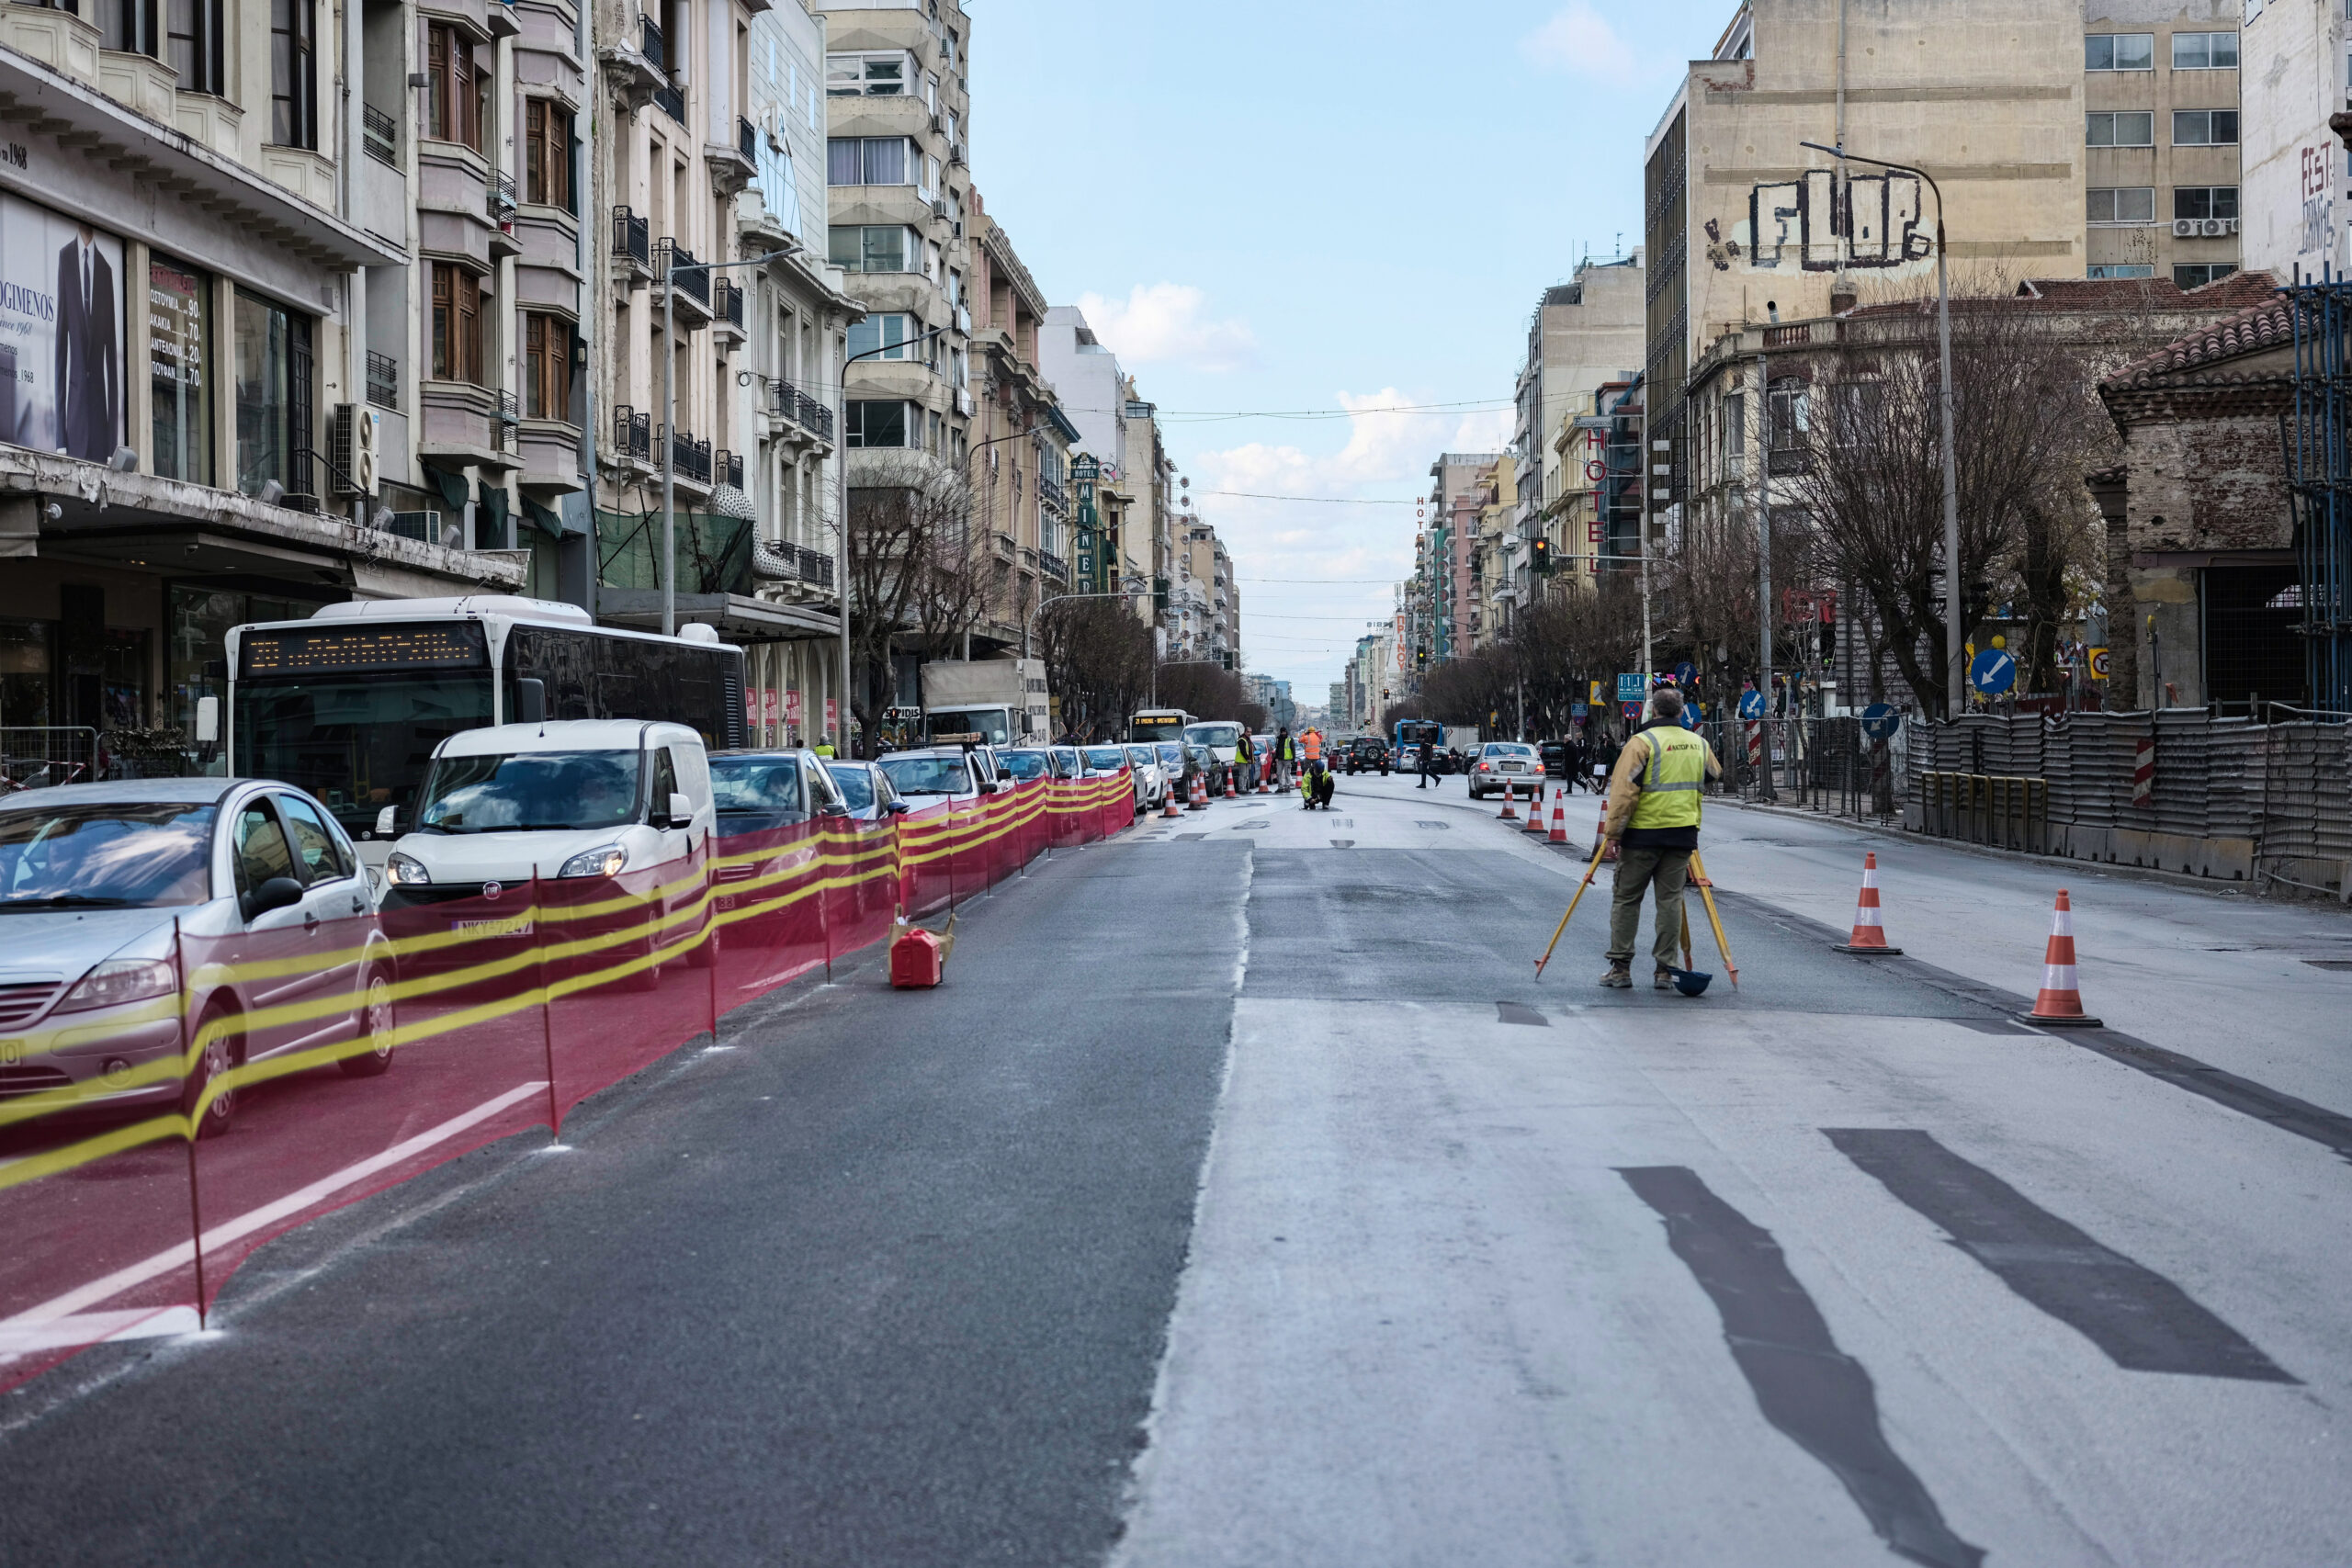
(359, 742)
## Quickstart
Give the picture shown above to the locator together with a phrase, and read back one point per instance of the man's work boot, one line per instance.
(1620, 976)
(1663, 980)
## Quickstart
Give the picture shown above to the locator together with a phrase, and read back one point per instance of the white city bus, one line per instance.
(350, 703)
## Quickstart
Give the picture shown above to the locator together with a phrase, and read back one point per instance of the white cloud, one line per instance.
(1579, 41)
(1166, 323)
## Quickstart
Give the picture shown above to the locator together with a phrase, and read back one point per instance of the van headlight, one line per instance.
(406, 870)
(120, 980)
(606, 860)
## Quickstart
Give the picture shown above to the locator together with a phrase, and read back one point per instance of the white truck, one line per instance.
(1462, 738)
(1001, 699)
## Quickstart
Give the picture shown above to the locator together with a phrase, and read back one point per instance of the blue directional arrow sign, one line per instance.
(1994, 672)
(1685, 673)
(1751, 704)
(1879, 721)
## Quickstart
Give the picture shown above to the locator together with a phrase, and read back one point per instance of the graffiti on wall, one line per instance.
(1819, 223)
(2318, 203)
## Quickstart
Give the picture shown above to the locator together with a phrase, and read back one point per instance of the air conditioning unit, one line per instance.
(2217, 226)
(963, 403)
(2232, 223)
(964, 320)
(2182, 227)
(353, 435)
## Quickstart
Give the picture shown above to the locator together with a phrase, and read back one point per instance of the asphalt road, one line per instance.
(1244, 1199)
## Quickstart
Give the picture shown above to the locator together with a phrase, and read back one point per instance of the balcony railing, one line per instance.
(747, 139)
(672, 101)
(1053, 564)
(727, 468)
(1050, 490)
(510, 419)
(814, 415)
(381, 135)
(689, 456)
(633, 434)
(632, 237)
(670, 259)
(1788, 460)
(816, 567)
(498, 196)
(651, 46)
(383, 380)
(727, 301)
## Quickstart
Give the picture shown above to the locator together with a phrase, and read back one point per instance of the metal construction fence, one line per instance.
(162, 1118)
(2183, 790)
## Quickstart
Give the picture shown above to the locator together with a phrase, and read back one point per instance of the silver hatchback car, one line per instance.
(111, 893)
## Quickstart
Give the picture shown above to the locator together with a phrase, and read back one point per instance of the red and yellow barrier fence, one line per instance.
(148, 1147)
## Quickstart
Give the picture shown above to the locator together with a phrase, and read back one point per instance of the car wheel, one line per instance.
(376, 1023)
(220, 1054)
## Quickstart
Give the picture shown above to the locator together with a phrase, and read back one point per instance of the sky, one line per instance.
(1320, 210)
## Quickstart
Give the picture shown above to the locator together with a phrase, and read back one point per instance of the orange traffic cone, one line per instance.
(1559, 816)
(2060, 1005)
(1167, 801)
(1200, 801)
(1870, 934)
(1510, 813)
(1230, 792)
(1535, 813)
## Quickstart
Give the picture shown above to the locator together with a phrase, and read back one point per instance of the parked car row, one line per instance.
(107, 889)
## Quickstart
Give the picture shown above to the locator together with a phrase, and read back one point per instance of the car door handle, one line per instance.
(358, 905)
(309, 920)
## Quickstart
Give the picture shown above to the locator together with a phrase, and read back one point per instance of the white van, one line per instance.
(565, 798)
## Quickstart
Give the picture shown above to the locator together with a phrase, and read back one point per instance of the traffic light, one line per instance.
(1538, 557)
(1420, 659)
(1159, 594)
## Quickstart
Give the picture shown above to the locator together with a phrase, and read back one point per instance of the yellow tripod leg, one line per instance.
(1707, 892)
(1589, 871)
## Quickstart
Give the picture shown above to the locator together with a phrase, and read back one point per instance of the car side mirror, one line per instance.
(278, 893)
(682, 810)
(897, 808)
(387, 822)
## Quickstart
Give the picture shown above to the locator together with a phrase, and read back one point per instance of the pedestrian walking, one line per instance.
(1428, 750)
(1653, 820)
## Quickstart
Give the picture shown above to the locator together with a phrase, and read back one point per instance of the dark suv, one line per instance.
(1366, 751)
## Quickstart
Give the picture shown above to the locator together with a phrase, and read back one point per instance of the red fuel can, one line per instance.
(917, 960)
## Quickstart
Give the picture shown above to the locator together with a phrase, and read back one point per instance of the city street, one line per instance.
(1244, 1198)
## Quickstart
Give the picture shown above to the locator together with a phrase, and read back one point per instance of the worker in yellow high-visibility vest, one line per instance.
(1653, 819)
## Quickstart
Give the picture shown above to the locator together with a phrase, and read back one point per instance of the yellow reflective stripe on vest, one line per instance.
(1670, 785)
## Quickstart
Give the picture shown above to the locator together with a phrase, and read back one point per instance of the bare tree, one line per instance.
(914, 584)
(1098, 661)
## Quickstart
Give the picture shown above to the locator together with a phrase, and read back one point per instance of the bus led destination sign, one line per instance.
(359, 650)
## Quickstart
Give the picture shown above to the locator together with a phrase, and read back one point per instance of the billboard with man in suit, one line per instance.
(61, 333)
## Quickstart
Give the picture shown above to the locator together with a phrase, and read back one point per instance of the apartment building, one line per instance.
(2297, 74)
(1207, 595)
(899, 177)
(1583, 332)
(1498, 553)
(1446, 583)
(191, 349)
(1095, 394)
(1743, 224)
(1144, 533)
(2161, 140)
(1020, 442)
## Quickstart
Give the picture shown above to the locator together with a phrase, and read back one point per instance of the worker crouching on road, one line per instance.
(1653, 818)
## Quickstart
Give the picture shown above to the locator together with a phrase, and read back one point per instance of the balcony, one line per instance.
(1791, 460)
(463, 424)
(510, 419)
(632, 435)
(689, 459)
(727, 309)
(689, 282)
(633, 244)
(651, 45)
(504, 22)
(1053, 566)
(498, 200)
(795, 565)
(1049, 491)
(380, 134)
(638, 72)
(383, 380)
(726, 468)
(732, 168)
(788, 401)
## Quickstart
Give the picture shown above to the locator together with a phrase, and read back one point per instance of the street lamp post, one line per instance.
(840, 505)
(1955, 677)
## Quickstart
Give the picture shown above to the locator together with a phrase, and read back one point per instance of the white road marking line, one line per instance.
(49, 1312)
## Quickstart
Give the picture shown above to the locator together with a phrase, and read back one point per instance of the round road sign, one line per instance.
(1994, 672)
(1751, 704)
(1879, 721)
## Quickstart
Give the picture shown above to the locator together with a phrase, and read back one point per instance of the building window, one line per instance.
(2205, 201)
(128, 26)
(1735, 428)
(457, 324)
(872, 247)
(458, 96)
(888, 331)
(877, 423)
(2204, 128)
(547, 367)
(2131, 128)
(2127, 204)
(2120, 51)
(2201, 274)
(546, 154)
(272, 395)
(868, 161)
(2120, 269)
(2204, 51)
(293, 62)
(877, 76)
(192, 38)
(180, 382)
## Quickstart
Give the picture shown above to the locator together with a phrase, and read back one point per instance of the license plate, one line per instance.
(11, 1053)
(1512, 767)
(514, 925)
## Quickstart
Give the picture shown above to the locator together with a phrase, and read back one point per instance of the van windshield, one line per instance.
(526, 790)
